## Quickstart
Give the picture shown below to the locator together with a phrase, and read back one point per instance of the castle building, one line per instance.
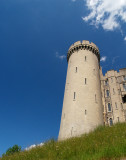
(90, 98)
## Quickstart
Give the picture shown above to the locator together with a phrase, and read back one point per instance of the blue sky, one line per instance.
(35, 36)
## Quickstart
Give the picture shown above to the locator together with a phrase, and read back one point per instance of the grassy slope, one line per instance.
(104, 143)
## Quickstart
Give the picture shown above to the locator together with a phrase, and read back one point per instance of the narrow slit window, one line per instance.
(74, 95)
(85, 81)
(85, 58)
(76, 70)
(113, 91)
(95, 98)
(85, 112)
(116, 105)
(118, 119)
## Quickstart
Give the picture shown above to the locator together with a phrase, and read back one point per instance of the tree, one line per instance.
(12, 150)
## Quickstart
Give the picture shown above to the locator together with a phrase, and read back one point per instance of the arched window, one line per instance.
(110, 121)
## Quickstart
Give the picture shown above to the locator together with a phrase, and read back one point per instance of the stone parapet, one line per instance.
(84, 45)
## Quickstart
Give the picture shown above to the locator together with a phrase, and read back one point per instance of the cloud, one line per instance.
(114, 59)
(124, 38)
(33, 146)
(73, 0)
(60, 57)
(107, 13)
(103, 59)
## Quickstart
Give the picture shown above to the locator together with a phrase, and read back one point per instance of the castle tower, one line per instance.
(82, 106)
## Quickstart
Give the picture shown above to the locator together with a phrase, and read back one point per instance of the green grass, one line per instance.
(102, 144)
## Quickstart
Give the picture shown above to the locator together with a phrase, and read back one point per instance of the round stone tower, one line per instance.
(82, 107)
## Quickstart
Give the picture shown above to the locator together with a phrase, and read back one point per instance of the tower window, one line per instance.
(107, 93)
(124, 99)
(85, 112)
(109, 107)
(76, 70)
(116, 105)
(118, 119)
(85, 58)
(124, 86)
(110, 122)
(113, 91)
(95, 98)
(85, 81)
(124, 77)
(106, 82)
(74, 95)
(121, 106)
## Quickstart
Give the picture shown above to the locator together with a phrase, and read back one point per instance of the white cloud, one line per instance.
(60, 57)
(73, 0)
(30, 147)
(103, 59)
(106, 13)
(33, 146)
(125, 38)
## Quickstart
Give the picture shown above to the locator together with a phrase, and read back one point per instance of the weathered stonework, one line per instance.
(90, 99)
(113, 93)
(82, 106)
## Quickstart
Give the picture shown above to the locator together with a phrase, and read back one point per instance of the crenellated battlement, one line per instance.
(84, 45)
